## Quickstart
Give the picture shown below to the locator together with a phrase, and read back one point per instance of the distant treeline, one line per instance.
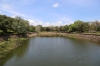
(18, 25)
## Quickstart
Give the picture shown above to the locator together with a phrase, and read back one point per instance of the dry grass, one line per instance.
(48, 34)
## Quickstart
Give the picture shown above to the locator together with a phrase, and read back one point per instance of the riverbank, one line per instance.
(8, 43)
(94, 38)
(90, 37)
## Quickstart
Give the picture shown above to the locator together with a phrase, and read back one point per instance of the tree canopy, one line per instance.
(20, 25)
(16, 24)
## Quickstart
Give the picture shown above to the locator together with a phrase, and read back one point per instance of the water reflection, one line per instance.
(54, 51)
(18, 53)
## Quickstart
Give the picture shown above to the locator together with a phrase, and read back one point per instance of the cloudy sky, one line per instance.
(52, 12)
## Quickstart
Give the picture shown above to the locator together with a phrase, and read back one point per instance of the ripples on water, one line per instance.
(54, 51)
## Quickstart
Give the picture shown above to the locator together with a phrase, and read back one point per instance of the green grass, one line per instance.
(7, 46)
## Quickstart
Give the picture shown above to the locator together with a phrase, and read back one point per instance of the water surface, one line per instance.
(54, 51)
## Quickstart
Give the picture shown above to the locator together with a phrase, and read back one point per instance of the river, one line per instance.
(54, 51)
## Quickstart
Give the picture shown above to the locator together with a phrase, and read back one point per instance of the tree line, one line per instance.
(77, 27)
(18, 25)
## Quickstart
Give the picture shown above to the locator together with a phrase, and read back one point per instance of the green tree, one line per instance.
(72, 28)
(86, 27)
(3, 23)
(31, 28)
(46, 28)
(79, 26)
(20, 25)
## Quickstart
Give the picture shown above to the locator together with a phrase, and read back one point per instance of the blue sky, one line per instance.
(52, 12)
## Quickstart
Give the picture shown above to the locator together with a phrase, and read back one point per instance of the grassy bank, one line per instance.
(53, 34)
(14, 42)
(8, 43)
(90, 37)
(7, 46)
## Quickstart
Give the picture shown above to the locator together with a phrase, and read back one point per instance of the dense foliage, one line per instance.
(15, 25)
(77, 27)
(19, 25)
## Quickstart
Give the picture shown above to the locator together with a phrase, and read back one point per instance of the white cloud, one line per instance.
(35, 22)
(47, 24)
(60, 22)
(56, 5)
(66, 20)
(9, 8)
